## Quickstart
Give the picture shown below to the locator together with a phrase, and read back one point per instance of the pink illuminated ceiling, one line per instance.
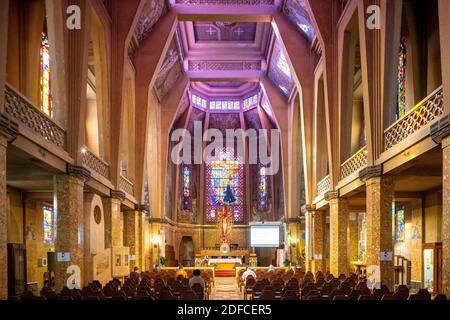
(224, 58)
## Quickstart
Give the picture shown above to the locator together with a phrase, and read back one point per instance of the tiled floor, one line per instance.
(226, 289)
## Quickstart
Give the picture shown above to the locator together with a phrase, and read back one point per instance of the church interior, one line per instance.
(97, 201)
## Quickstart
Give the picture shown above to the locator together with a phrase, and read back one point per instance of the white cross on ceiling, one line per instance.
(239, 31)
(210, 31)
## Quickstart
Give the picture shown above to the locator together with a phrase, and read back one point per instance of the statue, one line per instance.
(224, 223)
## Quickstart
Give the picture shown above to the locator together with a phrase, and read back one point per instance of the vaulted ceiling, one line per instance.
(224, 59)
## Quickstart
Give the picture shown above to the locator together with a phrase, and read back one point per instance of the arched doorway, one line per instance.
(186, 256)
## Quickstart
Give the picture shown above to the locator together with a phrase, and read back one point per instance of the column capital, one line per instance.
(8, 127)
(440, 129)
(330, 195)
(79, 172)
(118, 195)
(142, 208)
(310, 207)
(371, 172)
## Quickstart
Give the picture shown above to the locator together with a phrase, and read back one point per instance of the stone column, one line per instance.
(353, 237)
(318, 262)
(446, 216)
(338, 234)
(131, 236)
(70, 222)
(3, 221)
(380, 194)
(113, 219)
(8, 132)
(308, 238)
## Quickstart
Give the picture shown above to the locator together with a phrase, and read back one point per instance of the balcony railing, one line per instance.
(21, 109)
(422, 114)
(323, 185)
(126, 185)
(94, 163)
(356, 162)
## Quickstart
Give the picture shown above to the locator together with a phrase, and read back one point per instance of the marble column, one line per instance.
(353, 237)
(3, 221)
(339, 213)
(446, 216)
(4, 137)
(70, 222)
(380, 194)
(113, 219)
(8, 133)
(131, 236)
(308, 239)
(318, 262)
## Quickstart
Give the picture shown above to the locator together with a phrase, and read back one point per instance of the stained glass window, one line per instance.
(199, 102)
(222, 174)
(263, 190)
(401, 81)
(251, 101)
(224, 105)
(283, 65)
(45, 84)
(187, 201)
(400, 225)
(49, 225)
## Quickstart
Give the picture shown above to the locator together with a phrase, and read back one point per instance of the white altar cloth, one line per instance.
(224, 260)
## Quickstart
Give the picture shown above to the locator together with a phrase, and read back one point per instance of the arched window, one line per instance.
(49, 225)
(401, 81)
(187, 200)
(263, 190)
(44, 77)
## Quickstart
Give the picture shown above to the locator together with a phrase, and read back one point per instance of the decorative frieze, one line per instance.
(226, 2)
(216, 65)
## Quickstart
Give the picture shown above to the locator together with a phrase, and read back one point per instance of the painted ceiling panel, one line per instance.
(225, 84)
(296, 11)
(224, 121)
(153, 10)
(252, 119)
(196, 115)
(224, 31)
(279, 71)
(170, 72)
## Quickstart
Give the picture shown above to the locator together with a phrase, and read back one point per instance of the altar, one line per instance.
(229, 260)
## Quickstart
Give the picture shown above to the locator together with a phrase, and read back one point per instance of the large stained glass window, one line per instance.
(401, 81)
(263, 190)
(223, 173)
(45, 84)
(49, 225)
(187, 202)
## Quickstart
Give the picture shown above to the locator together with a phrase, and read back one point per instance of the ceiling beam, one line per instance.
(244, 13)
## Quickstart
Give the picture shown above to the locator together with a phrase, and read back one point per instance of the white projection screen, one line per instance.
(265, 235)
